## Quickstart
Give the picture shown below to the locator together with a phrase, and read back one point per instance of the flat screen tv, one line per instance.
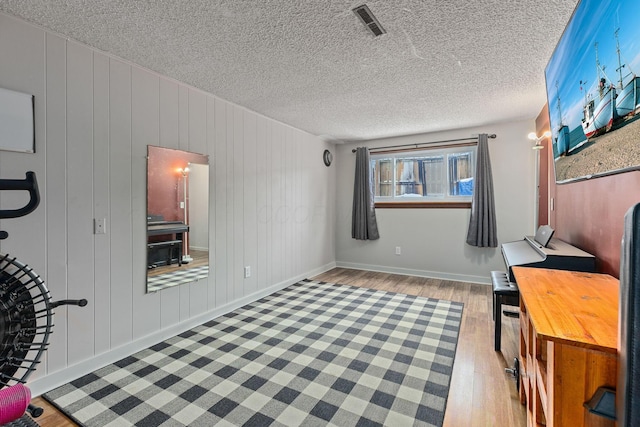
(593, 91)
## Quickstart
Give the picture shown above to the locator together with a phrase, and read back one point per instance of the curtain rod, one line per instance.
(492, 136)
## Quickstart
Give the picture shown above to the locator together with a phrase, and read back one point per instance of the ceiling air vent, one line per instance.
(370, 21)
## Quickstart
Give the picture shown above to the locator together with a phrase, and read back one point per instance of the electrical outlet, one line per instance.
(247, 272)
(100, 226)
(398, 250)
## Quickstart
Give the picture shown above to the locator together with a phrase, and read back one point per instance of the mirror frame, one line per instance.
(170, 226)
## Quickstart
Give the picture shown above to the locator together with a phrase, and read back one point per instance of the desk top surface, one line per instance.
(571, 307)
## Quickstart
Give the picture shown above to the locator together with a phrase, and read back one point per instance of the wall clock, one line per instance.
(327, 157)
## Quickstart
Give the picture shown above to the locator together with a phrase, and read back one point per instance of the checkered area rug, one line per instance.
(313, 354)
(166, 280)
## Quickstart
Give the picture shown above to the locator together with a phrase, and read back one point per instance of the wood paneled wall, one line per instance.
(590, 214)
(272, 203)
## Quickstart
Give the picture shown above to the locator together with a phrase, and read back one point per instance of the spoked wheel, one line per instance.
(25, 320)
(26, 316)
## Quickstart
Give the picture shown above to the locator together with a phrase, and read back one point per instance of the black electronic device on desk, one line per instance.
(537, 251)
(165, 241)
(541, 251)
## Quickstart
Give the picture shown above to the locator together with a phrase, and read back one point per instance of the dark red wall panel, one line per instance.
(590, 214)
(164, 182)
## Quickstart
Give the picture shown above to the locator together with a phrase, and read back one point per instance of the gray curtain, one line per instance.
(482, 225)
(363, 215)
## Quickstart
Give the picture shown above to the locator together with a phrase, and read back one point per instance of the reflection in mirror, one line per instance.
(177, 217)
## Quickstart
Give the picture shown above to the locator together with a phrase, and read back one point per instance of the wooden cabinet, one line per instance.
(568, 343)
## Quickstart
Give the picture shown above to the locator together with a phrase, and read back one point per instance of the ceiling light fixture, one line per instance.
(538, 139)
(371, 22)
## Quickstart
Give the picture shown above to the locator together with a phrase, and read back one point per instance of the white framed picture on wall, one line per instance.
(16, 121)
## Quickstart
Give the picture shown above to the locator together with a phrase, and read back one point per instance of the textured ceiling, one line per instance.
(443, 64)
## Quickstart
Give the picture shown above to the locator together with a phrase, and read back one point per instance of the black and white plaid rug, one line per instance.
(312, 354)
(178, 277)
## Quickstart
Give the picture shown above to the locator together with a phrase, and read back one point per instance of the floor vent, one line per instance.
(370, 21)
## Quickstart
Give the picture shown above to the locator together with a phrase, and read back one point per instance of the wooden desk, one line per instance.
(568, 343)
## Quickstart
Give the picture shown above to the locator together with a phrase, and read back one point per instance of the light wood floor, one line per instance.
(481, 394)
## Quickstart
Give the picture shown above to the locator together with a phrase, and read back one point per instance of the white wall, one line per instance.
(432, 241)
(198, 206)
(272, 199)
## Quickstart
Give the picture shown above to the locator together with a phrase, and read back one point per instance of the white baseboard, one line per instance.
(56, 379)
(420, 273)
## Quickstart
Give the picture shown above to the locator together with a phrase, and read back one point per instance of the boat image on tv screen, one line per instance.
(593, 90)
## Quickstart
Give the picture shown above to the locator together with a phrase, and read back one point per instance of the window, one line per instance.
(434, 176)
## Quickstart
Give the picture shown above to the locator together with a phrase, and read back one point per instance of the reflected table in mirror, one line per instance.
(167, 250)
